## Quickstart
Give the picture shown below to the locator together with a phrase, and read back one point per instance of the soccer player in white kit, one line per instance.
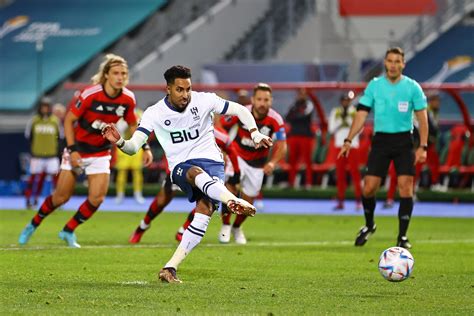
(182, 122)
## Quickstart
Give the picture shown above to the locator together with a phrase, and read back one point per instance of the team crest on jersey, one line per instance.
(265, 130)
(120, 110)
(195, 112)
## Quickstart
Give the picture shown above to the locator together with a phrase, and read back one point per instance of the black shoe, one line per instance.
(403, 242)
(364, 234)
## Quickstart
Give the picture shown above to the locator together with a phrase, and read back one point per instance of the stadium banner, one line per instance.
(43, 42)
(349, 8)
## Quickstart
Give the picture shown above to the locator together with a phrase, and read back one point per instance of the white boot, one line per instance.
(239, 236)
(119, 198)
(139, 197)
(224, 234)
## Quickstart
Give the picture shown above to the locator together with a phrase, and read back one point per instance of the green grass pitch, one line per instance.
(292, 265)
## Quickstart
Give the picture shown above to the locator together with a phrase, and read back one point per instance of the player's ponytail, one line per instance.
(110, 60)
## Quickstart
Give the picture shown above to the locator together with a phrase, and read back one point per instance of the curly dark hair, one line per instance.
(177, 71)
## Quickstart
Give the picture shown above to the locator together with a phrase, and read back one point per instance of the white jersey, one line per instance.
(189, 134)
(339, 127)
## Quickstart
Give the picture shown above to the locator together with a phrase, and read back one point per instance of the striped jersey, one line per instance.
(228, 146)
(95, 109)
(270, 125)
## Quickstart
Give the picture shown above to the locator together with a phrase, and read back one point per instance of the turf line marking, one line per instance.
(252, 244)
(133, 283)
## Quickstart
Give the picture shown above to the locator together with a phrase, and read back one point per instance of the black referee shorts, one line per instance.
(387, 147)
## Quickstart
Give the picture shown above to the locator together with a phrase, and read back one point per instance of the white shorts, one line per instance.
(91, 165)
(251, 178)
(48, 165)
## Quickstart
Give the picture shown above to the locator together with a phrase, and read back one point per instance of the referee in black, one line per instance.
(393, 98)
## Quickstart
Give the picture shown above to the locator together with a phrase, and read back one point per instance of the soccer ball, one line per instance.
(396, 264)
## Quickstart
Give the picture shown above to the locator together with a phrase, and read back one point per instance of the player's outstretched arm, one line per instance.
(248, 121)
(131, 146)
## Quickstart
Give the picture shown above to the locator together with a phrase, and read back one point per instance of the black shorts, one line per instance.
(387, 147)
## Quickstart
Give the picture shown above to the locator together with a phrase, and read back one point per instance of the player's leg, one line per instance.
(237, 230)
(225, 231)
(355, 174)
(392, 187)
(182, 229)
(29, 190)
(341, 182)
(307, 152)
(35, 170)
(120, 183)
(216, 190)
(405, 188)
(39, 187)
(251, 184)
(191, 238)
(52, 169)
(292, 160)
(137, 174)
(98, 186)
(371, 185)
(62, 193)
(161, 200)
(377, 166)
(404, 164)
(433, 163)
(199, 179)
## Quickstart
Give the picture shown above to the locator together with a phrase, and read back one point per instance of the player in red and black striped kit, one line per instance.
(253, 161)
(87, 151)
(167, 192)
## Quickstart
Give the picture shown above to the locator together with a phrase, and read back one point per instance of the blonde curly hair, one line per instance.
(110, 60)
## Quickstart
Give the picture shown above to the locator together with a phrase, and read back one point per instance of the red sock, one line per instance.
(85, 211)
(46, 208)
(29, 186)
(239, 220)
(39, 186)
(226, 215)
(153, 211)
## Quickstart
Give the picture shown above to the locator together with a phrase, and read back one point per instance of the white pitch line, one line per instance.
(253, 244)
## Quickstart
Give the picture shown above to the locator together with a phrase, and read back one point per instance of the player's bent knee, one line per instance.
(192, 173)
(60, 199)
(96, 200)
(369, 191)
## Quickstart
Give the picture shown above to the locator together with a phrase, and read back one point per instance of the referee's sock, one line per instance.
(369, 209)
(404, 215)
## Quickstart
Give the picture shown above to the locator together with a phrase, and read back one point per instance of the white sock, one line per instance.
(143, 225)
(213, 188)
(191, 238)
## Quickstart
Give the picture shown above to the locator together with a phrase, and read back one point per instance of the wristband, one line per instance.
(424, 147)
(146, 147)
(347, 140)
(72, 148)
(120, 143)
